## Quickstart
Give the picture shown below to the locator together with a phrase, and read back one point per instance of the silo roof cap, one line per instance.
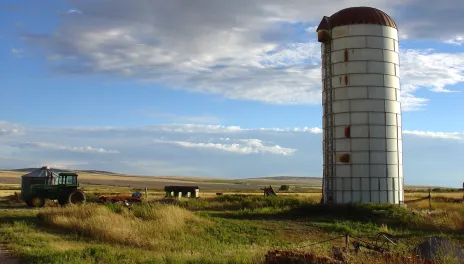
(357, 15)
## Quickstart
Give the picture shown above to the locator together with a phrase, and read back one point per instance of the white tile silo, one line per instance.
(361, 107)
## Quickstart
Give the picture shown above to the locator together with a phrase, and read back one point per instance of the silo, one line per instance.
(362, 143)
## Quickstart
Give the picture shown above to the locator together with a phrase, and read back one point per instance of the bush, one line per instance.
(284, 187)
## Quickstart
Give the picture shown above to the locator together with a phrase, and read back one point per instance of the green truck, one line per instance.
(45, 184)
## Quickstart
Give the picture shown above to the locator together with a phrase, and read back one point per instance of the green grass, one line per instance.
(162, 233)
(36, 244)
(238, 202)
(223, 229)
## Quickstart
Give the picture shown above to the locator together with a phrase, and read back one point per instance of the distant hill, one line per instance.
(64, 170)
(99, 172)
(247, 183)
(291, 178)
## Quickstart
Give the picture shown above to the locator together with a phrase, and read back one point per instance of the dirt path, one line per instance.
(6, 258)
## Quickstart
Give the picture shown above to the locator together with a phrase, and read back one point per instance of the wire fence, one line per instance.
(417, 200)
(324, 241)
(428, 197)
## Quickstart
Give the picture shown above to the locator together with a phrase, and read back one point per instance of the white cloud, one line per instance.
(4, 131)
(10, 129)
(206, 150)
(16, 51)
(243, 146)
(235, 49)
(185, 128)
(47, 145)
(74, 11)
(312, 29)
(457, 41)
(209, 119)
(430, 70)
(429, 134)
(424, 20)
(425, 68)
(60, 164)
(159, 168)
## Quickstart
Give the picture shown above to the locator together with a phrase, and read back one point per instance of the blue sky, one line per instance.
(218, 89)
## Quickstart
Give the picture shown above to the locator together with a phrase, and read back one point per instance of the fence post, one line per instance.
(146, 194)
(430, 199)
(347, 241)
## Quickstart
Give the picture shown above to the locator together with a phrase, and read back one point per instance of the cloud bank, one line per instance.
(211, 151)
(250, 50)
(241, 146)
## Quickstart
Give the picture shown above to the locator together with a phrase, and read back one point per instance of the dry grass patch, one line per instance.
(441, 205)
(442, 220)
(68, 245)
(144, 226)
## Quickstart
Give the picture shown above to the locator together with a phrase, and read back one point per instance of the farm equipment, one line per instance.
(135, 198)
(44, 184)
(383, 242)
(269, 191)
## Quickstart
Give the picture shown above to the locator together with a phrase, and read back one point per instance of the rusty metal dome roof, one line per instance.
(357, 15)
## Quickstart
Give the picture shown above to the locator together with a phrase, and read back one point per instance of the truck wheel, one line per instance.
(29, 203)
(64, 197)
(38, 201)
(62, 202)
(77, 197)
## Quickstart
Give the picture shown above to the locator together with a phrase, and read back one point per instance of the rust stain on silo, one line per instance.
(344, 158)
(347, 131)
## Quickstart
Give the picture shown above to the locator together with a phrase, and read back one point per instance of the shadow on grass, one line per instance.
(385, 214)
(10, 219)
(367, 218)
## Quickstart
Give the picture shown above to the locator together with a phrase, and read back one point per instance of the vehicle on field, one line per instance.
(135, 198)
(44, 184)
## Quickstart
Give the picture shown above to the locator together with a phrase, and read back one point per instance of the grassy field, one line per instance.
(214, 229)
(240, 226)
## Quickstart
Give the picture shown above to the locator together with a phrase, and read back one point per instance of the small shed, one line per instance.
(182, 191)
(43, 175)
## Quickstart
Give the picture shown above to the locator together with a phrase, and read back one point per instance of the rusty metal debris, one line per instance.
(127, 200)
(282, 256)
(382, 243)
